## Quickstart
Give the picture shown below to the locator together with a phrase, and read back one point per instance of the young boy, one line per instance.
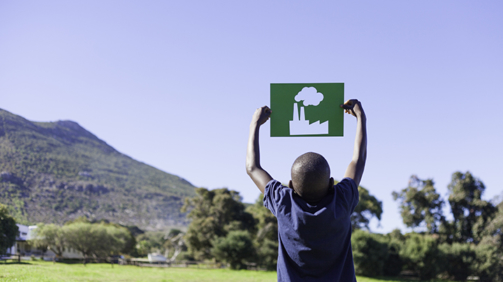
(314, 227)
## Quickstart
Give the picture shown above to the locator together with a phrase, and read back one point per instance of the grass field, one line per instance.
(47, 271)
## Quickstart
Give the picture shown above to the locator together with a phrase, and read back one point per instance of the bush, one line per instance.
(393, 265)
(150, 241)
(421, 255)
(235, 249)
(370, 252)
(267, 254)
(457, 260)
(488, 264)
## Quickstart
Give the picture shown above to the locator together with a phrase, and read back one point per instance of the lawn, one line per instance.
(47, 271)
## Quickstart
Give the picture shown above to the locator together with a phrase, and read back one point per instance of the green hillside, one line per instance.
(56, 171)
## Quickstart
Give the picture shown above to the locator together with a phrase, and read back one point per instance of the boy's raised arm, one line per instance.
(357, 164)
(253, 168)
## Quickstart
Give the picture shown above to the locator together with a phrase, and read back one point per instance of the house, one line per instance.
(22, 246)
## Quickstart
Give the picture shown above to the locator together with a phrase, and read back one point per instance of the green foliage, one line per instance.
(175, 245)
(471, 213)
(393, 264)
(469, 245)
(52, 172)
(457, 260)
(213, 214)
(99, 240)
(8, 229)
(420, 203)
(368, 207)
(51, 236)
(267, 254)
(420, 254)
(370, 253)
(150, 242)
(488, 263)
(266, 239)
(235, 249)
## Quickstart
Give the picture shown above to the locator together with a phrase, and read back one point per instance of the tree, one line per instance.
(368, 207)
(175, 244)
(393, 265)
(488, 263)
(213, 214)
(458, 259)
(151, 241)
(266, 239)
(489, 251)
(471, 213)
(99, 240)
(50, 236)
(113, 240)
(235, 249)
(420, 203)
(8, 229)
(82, 237)
(370, 253)
(421, 255)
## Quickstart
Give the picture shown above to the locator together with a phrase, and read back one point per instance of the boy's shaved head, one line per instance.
(311, 176)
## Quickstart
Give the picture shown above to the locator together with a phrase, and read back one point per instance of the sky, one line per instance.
(174, 83)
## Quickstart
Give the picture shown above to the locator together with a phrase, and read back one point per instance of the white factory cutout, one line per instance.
(301, 126)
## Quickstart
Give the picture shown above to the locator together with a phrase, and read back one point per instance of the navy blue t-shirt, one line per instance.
(314, 240)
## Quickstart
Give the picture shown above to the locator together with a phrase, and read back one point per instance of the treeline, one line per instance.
(225, 230)
(468, 245)
(222, 228)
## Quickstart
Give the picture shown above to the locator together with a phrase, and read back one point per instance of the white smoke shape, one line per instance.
(310, 96)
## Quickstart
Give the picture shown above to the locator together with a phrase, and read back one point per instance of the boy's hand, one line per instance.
(353, 107)
(261, 115)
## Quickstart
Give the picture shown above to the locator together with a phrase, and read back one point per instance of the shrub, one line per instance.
(420, 254)
(370, 253)
(488, 263)
(457, 260)
(267, 254)
(393, 265)
(235, 249)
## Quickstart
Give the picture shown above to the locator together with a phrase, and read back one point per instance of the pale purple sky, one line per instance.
(174, 83)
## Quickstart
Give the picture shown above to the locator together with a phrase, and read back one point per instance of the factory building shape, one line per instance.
(301, 126)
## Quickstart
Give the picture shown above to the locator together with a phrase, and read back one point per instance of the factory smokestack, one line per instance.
(295, 112)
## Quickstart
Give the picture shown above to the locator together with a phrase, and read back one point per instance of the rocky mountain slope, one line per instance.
(57, 171)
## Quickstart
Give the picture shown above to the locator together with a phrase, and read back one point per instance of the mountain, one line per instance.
(56, 171)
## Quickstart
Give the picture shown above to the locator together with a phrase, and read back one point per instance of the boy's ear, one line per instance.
(290, 184)
(331, 183)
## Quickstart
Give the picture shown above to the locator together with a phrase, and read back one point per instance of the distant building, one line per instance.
(22, 246)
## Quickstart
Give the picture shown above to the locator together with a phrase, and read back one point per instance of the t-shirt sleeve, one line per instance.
(273, 195)
(351, 192)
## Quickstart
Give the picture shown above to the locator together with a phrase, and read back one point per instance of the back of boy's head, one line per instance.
(311, 177)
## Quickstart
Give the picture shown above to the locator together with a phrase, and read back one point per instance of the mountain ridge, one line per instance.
(57, 171)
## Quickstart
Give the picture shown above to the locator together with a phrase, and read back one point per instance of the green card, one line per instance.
(307, 109)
